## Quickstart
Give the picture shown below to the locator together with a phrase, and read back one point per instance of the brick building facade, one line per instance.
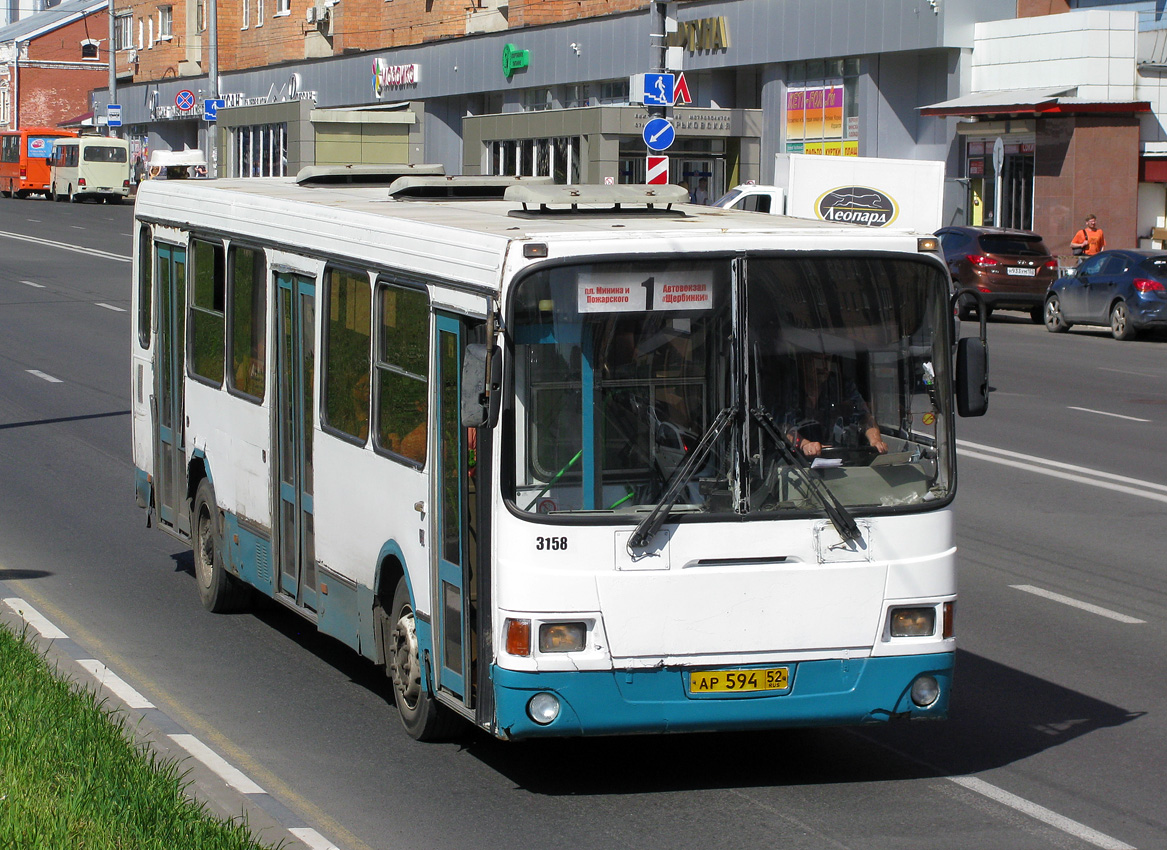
(49, 63)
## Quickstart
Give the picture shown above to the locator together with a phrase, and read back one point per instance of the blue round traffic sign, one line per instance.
(659, 134)
(185, 100)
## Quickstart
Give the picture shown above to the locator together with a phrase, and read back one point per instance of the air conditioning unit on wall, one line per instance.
(310, 14)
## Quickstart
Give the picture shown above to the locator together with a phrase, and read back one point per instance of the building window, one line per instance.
(283, 7)
(4, 106)
(260, 150)
(557, 158)
(124, 31)
(822, 107)
(200, 15)
(165, 23)
(89, 49)
(577, 96)
(614, 92)
(537, 100)
(259, 13)
(246, 15)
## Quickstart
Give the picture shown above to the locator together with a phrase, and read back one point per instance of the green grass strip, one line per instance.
(70, 776)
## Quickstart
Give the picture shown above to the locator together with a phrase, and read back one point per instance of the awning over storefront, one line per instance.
(1061, 100)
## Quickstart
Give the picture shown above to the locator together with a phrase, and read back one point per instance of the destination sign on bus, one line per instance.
(672, 290)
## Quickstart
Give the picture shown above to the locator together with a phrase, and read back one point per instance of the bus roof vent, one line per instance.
(624, 197)
(459, 188)
(361, 175)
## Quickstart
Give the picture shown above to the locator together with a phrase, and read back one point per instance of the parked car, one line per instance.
(1126, 290)
(1012, 269)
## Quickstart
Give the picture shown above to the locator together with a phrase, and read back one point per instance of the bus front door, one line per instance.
(295, 540)
(170, 372)
(454, 613)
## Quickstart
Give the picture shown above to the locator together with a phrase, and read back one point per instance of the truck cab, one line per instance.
(754, 197)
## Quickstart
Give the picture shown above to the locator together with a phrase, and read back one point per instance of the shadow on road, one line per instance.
(999, 715)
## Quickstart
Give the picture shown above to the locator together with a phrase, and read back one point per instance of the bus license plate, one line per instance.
(738, 681)
(1018, 270)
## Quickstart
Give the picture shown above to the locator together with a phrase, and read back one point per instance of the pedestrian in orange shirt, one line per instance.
(1090, 239)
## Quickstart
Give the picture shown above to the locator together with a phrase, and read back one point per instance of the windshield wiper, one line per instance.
(651, 524)
(842, 520)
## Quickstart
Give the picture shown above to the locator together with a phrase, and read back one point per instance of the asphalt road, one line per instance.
(1058, 734)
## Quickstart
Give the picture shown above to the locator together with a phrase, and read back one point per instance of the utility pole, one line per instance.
(213, 85)
(113, 65)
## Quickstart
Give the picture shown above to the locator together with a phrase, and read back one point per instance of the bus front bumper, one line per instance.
(821, 693)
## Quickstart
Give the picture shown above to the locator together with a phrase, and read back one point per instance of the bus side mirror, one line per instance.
(972, 377)
(480, 395)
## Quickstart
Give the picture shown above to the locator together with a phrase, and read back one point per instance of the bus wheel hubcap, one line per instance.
(405, 669)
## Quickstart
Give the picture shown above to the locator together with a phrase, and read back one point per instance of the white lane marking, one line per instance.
(220, 766)
(1076, 603)
(115, 684)
(111, 307)
(1031, 463)
(76, 227)
(32, 284)
(1041, 813)
(1105, 413)
(1128, 372)
(44, 377)
(91, 252)
(312, 838)
(35, 619)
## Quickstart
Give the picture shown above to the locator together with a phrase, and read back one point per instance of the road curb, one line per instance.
(227, 793)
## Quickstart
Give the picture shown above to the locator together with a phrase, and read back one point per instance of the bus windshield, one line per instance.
(828, 365)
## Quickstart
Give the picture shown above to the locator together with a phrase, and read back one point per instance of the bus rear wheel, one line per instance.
(219, 591)
(422, 716)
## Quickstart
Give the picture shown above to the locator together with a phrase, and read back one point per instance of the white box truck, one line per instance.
(872, 191)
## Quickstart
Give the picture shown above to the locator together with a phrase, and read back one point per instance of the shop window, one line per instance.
(822, 107)
(260, 150)
(557, 158)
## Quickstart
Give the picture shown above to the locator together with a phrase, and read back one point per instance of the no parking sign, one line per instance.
(184, 101)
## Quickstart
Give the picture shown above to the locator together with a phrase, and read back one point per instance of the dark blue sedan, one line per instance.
(1125, 290)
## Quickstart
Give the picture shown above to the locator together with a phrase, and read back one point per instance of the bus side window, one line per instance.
(145, 284)
(403, 345)
(207, 311)
(247, 321)
(347, 344)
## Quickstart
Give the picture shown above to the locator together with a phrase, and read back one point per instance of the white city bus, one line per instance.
(530, 446)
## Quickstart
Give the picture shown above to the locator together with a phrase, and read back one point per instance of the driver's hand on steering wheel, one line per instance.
(809, 448)
(876, 439)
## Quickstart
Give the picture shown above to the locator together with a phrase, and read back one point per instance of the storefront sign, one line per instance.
(857, 205)
(976, 166)
(701, 34)
(386, 76)
(514, 59)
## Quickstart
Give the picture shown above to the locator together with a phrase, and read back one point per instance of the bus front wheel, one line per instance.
(219, 591)
(421, 715)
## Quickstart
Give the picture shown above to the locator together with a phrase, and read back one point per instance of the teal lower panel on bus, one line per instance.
(249, 554)
(821, 693)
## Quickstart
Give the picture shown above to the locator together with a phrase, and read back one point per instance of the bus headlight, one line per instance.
(913, 622)
(925, 691)
(562, 637)
(543, 708)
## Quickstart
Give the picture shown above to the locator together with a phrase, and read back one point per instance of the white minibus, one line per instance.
(95, 167)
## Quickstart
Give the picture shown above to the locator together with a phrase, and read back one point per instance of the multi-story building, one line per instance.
(543, 86)
(50, 62)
